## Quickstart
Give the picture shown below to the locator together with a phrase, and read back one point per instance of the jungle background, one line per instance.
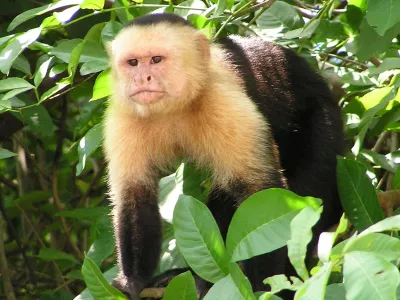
(56, 239)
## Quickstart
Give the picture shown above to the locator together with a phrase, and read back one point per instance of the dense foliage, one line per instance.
(55, 232)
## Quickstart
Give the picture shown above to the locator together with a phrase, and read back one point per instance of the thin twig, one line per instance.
(8, 288)
(380, 141)
(350, 61)
(54, 185)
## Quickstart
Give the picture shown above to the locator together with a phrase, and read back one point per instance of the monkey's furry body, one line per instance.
(252, 112)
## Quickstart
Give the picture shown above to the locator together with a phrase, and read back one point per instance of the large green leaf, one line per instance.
(391, 223)
(261, 224)
(235, 286)
(369, 277)
(335, 291)
(181, 287)
(12, 83)
(29, 14)
(300, 236)
(357, 194)
(199, 240)
(37, 118)
(383, 14)
(380, 244)
(280, 14)
(15, 47)
(97, 284)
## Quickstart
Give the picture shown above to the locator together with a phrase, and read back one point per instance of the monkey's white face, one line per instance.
(156, 70)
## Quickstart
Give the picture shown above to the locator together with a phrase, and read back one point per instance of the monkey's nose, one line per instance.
(148, 78)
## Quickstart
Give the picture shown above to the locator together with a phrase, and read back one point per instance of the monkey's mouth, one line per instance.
(147, 96)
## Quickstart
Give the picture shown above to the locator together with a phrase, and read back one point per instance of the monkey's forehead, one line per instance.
(144, 40)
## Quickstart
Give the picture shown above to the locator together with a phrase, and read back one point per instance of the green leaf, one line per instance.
(389, 63)
(328, 239)
(67, 14)
(235, 286)
(103, 245)
(5, 105)
(42, 71)
(335, 291)
(382, 245)
(15, 47)
(357, 194)
(92, 214)
(74, 61)
(365, 49)
(102, 86)
(110, 31)
(12, 83)
(29, 14)
(303, 33)
(380, 160)
(199, 240)
(315, 287)
(241, 282)
(367, 276)
(51, 254)
(93, 66)
(300, 237)
(21, 63)
(261, 224)
(87, 145)
(62, 84)
(97, 284)
(280, 14)
(279, 283)
(64, 49)
(109, 276)
(93, 4)
(37, 118)
(391, 223)
(181, 287)
(383, 14)
(4, 153)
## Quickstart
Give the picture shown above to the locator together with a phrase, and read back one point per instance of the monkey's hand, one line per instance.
(129, 286)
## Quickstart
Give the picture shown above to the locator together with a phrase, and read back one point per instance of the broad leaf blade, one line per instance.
(97, 284)
(301, 235)
(181, 287)
(367, 276)
(261, 224)
(357, 194)
(199, 239)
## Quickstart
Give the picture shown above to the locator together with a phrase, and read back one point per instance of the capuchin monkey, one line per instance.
(252, 112)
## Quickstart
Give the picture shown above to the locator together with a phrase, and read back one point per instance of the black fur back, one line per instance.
(304, 118)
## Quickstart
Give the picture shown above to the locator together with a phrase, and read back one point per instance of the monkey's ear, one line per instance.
(109, 48)
(204, 45)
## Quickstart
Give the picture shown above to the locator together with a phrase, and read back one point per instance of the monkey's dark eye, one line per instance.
(133, 62)
(156, 59)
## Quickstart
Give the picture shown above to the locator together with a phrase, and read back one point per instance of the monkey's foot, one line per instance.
(130, 287)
